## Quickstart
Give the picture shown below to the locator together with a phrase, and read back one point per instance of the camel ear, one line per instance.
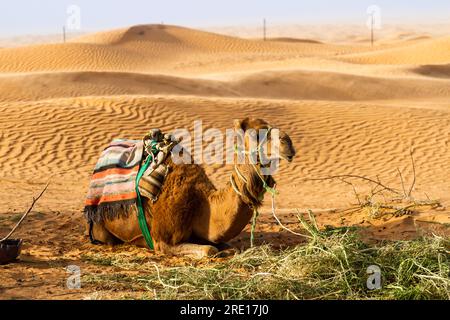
(241, 124)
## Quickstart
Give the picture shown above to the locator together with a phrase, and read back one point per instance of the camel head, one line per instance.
(286, 147)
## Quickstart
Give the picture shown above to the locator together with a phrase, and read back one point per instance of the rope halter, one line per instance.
(266, 187)
(252, 152)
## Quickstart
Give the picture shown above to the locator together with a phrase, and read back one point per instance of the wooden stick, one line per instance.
(403, 183)
(414, 174)
(28, 211)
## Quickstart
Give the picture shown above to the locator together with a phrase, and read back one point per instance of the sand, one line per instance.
(349, 108)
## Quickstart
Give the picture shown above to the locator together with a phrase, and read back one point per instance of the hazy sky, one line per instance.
(48, 16)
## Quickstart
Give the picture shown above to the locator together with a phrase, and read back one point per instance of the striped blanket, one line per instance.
(112, 190)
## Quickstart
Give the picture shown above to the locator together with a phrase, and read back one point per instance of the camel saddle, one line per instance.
(113, 189)
(158, 147)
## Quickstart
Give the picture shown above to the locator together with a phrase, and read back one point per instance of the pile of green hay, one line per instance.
(332, 265)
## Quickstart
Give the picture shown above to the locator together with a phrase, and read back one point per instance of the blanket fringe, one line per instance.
(110, 211)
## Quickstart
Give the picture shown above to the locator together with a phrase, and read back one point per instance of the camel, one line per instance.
(191, 216)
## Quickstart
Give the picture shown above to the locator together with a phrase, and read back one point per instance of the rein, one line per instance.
(141, 214)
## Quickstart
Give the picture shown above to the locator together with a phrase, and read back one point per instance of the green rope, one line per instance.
(252, 232)
(273, 192)
(141, 215)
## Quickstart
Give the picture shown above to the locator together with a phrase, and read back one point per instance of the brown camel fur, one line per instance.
(192, 217)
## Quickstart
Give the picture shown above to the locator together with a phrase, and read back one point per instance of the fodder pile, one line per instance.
(332, 265)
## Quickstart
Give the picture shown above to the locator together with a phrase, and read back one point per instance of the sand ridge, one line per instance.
(65, 135)
(276, 84)
(425, 51)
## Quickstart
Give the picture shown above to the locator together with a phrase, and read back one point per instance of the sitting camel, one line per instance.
(191, 217)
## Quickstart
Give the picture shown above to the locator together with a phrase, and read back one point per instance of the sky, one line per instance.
(23, 17)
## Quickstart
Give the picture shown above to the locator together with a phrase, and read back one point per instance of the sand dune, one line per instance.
(338, 32)
(39, 86)
(428, 51)
(307, 85)
(436, 71)
(157, 48)
(295, 40)
(313, 85)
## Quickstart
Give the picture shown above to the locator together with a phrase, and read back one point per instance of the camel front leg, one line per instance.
(101, 235)
(187, 249)
(226, 249)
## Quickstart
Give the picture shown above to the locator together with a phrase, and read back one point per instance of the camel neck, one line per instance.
(229, 212)
(249, 184)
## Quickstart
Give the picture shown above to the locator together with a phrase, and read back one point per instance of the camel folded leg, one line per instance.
(182, 249)
(187, 249)
(224, 248)
(102, 235)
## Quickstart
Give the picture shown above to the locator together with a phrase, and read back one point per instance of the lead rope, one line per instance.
(273, 192)
(141, 214)
(252, 231)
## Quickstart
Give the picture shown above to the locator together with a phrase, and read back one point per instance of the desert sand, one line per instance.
(349, 108)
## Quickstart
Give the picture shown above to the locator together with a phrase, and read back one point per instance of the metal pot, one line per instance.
(10, 250)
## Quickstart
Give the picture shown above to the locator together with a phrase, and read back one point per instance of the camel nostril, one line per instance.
(290, 158)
